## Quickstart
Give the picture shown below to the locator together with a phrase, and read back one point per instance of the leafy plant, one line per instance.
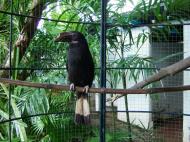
(44, 61)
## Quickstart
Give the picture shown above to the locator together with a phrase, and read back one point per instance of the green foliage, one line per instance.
(19, 125)
(44, 53)
(51, 56)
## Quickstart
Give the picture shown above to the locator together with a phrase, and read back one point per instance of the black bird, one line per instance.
(80, 68)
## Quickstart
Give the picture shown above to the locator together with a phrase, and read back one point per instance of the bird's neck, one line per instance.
(78, 44)
(75, 42)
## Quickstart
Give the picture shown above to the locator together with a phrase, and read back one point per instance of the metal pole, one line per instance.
(10, 71)
(103, 69)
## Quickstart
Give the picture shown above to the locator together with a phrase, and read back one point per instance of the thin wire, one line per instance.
(97, 68)
(59, 68)
(10, 71)
(70, 112)
(47, 19)
(127, 25)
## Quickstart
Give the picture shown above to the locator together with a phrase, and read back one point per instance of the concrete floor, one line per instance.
(170, 130)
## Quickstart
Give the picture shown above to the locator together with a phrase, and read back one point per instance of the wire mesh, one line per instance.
(137, 43)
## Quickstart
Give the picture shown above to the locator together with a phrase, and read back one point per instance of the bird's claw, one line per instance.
(86, 88)
(72, 87)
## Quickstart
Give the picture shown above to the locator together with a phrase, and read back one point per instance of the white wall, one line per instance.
(186, 94)
(171, 101)
(143, 102)
(136, 102)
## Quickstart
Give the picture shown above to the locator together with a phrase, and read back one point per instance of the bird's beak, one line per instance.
(64, 37)
(58, 38)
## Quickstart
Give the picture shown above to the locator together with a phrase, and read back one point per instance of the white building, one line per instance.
(166, 103)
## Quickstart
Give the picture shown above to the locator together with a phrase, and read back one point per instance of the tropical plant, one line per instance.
(42, 60)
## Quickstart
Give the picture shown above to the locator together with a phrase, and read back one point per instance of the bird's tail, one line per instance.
(82, 110)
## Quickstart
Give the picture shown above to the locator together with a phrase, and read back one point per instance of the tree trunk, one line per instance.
(26, 35)
(126, 105)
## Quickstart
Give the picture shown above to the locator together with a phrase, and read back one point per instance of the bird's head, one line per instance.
(69, 37)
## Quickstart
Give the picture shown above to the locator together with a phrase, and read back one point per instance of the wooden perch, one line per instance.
(136, 89)
(167, 71)
(95, 90)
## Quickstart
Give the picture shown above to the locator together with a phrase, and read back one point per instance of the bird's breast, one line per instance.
(74, 57)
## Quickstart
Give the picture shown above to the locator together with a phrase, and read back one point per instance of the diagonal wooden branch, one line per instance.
(95, 90)
(167, 71)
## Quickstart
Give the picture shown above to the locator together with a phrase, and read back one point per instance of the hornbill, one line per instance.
(80, 68)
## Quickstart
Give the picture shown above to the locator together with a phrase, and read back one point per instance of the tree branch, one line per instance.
(167, 71)
(95, 90)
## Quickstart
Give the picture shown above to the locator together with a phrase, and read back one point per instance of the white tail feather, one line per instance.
(79, 106)
(82, 111)
(86, 108)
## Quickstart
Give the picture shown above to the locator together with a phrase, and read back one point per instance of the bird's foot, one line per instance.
(72, 87)
(86, 88)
